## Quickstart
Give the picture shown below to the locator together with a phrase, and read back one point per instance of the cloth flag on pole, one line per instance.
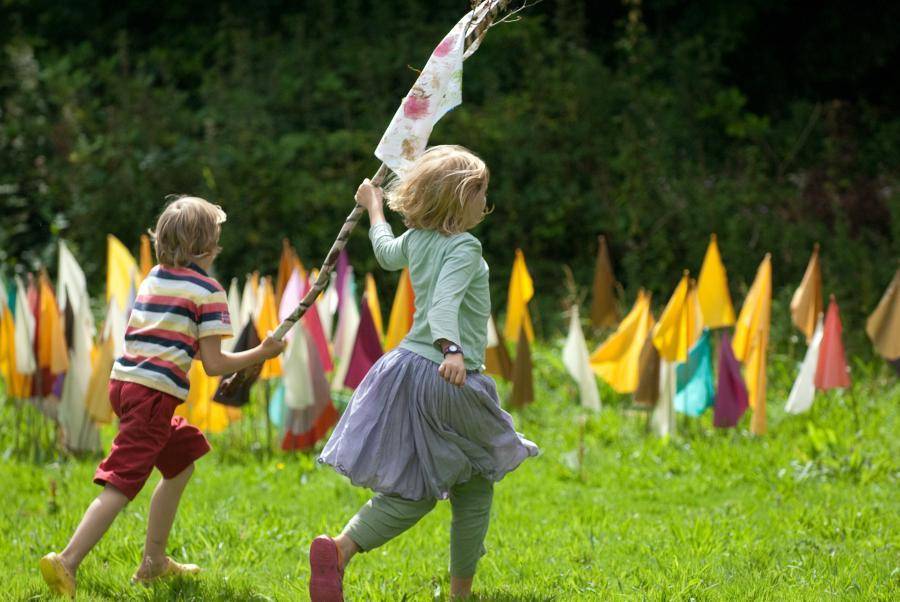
(97, 396)
(345, 334)
(662, 420)
(234, 310)
(694, 388)
(712, 289)
(313, 322)
(437, 90)
(402, 312)
(286, 265)
(831, 369)
(366, 349)
(806, 304)
(146, 256)
(199, 408)
(731, 393)
(496, 356)
(883, 326)
(79, 432)
(751, 341)
(680, 324)
(266, 322)
(247, 339)
(26, 363)
(646, 393)
(603, 302)
(121, 273)
(249, 299)
(575, 358)
(52, 351)
(522, 392)
(18, 385)
(371, 297)
(617, 360)
(521, 290)
(803, 391)
(310, 410)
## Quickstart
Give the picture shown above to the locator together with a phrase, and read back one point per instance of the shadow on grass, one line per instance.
(178, 588)
(502, 596)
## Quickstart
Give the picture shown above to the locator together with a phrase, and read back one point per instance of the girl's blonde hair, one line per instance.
(187, 229)
(439, 190)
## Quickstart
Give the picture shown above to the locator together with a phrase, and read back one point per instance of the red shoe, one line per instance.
(325, 572)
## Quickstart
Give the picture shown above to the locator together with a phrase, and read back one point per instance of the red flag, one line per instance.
(832, 371)
(313, 323)
(367, 348)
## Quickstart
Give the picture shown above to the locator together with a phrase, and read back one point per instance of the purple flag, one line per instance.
(731, 396)
(367, 348)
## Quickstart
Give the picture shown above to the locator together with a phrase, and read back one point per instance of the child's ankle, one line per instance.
(152, 562)
(69, 563)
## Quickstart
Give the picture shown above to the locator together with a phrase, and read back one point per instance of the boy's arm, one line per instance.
(217, 362)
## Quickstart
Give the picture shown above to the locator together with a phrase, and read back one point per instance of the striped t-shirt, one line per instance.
(174, 309)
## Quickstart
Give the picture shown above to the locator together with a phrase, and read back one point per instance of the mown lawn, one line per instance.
(809, 512)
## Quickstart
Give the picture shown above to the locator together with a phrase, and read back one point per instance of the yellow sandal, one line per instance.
(57, 576)
(172, 569)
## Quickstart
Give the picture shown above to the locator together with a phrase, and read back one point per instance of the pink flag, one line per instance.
(313, 323)
(832, 371)
(366, 350)
(731, 396)
(343, 267)
(290, 298)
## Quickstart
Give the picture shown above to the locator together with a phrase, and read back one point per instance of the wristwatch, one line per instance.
(452, 348)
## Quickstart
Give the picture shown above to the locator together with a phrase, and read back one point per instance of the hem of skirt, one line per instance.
(495, 477)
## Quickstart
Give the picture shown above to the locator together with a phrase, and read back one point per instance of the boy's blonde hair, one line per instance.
(187, 229)
(439, 190)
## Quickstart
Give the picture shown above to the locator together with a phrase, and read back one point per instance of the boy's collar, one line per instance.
(197, 268)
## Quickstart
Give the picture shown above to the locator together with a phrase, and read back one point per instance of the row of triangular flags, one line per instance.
(668, 366)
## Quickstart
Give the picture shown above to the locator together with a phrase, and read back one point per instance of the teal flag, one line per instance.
(694, 390)
(277, 409)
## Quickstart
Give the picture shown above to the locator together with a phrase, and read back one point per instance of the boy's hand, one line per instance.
(272, 346)
(453, 369)
(369, 196)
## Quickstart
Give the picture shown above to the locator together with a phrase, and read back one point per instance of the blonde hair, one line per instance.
(187, 229)
(438, 190)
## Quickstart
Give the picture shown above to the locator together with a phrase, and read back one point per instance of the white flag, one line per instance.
(25, 361)
(663, 418)
(577, 362)
(802, 393)
(298, 385)
(345, 334)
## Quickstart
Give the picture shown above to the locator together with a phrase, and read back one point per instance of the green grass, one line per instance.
(809, 512)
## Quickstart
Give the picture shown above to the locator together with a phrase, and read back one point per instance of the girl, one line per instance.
(425, 424)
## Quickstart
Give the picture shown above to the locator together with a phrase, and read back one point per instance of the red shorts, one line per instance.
(149, 435)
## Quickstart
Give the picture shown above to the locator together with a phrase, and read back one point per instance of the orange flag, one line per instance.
(371, 297)
(603, 304)
(832, 371)
(18, 385)
(751, 341)
(52, 351)
(268, 320)
(523, 379)
(402, 311)
(883, 326)
(286, 265)
(806, 304)
(146, 256)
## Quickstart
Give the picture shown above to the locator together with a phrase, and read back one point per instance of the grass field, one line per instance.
(809, 512)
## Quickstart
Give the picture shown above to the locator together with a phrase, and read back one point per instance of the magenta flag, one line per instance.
(731, 396)
(313, 324)
(367, 348)
(343, 266)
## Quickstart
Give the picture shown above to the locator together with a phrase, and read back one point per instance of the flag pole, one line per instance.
(483, 16)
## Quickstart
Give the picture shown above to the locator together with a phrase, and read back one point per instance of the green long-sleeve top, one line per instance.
(450, 281)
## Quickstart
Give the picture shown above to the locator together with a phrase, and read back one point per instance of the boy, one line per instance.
(179, 311)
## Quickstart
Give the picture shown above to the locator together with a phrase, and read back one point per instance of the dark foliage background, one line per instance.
(773, 124)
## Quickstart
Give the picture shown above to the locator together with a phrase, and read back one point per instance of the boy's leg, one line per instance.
(97, 519)
(471, 504)
(163, 506)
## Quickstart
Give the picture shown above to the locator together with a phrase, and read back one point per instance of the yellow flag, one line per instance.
(121, 272)
(712, 289)
(52, 351)
(806, 304)
(97, 397)
(266, 321)
(751, 338)
(521, 290)
(146, 256)
(616, 360)
(679, 325)
(18, 386)
(374, 305)
(199, 407)
(402, 311)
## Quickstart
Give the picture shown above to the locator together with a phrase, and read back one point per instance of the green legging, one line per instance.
(384, 517)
